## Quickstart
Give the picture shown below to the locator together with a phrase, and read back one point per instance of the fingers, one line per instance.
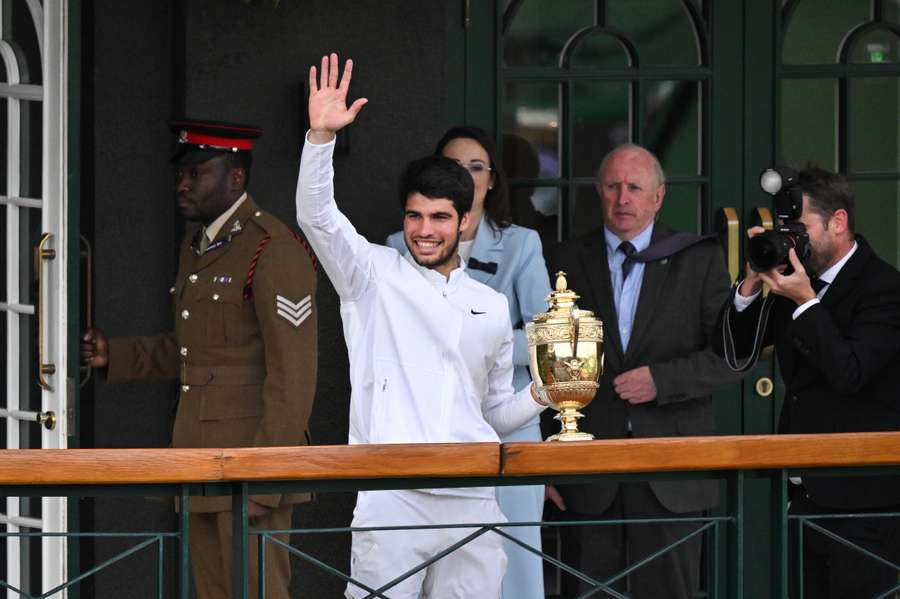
(333, 70)
(357, 106)
(753, 231)
(553, 495)
(324, 72)
(313, 85)
(348, 73)
(795, 261)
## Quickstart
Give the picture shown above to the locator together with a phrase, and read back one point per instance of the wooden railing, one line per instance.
(445, 460)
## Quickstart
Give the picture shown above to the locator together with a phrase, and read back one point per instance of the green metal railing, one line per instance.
(244, 472)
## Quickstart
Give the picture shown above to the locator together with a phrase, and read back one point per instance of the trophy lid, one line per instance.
(562, 302)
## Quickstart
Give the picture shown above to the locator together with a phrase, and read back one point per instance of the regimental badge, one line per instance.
(293, 312)
(182, 136)
(236, 227)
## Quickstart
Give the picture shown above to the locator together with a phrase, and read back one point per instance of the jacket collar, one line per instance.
(233, 227)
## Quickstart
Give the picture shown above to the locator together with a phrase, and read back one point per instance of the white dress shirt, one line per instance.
(214, 227)
(430, 356)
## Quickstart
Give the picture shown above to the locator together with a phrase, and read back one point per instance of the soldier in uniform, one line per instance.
(244, 344)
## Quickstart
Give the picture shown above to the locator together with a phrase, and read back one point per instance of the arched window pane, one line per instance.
(600, 113)
(873, 125)
(531, 111)
(807, 122)
(816, 28)
(538, 31)
(672, 125)
(660, 29)
(877, 46)
(599, 50)
(19, 26)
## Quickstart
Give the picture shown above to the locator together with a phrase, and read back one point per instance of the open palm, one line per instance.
(328, 111)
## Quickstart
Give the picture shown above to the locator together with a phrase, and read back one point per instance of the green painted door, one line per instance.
(719, 90)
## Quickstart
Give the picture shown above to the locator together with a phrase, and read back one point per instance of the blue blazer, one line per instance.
(521, 276)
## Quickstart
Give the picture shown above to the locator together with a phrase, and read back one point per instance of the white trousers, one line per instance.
(524, 570)
(377, 557)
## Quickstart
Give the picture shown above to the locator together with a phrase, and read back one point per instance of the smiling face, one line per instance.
(431, 230)
(630, 192)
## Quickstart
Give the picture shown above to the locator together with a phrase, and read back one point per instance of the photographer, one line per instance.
(835, 321)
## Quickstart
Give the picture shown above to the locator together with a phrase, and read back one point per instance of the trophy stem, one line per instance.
(568, 418)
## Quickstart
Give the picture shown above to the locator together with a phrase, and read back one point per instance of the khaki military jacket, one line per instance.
(244, 345)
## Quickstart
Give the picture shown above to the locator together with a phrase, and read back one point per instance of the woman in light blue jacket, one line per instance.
(508, 259)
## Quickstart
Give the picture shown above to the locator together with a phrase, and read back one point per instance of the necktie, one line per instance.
(626, 248)
(818, 284)
(204, 242)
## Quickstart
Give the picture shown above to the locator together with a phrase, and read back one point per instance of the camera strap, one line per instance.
(731, 358)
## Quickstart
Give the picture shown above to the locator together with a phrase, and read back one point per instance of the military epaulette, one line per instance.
(248, 284)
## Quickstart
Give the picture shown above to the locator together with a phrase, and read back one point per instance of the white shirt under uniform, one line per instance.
(430, 361)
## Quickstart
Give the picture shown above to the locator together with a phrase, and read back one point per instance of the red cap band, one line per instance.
(199, 139)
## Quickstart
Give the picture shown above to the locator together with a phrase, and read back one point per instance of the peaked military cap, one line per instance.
(199, 141)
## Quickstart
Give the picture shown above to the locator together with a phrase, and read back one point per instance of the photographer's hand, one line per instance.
(795, 287)
(752, 281)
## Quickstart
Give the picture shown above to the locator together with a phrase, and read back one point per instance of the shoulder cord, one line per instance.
(248, 285)
(731, 358)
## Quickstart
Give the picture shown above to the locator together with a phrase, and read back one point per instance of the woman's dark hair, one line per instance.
(496, 202)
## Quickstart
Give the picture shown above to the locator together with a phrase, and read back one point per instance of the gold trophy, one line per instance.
(565, 349)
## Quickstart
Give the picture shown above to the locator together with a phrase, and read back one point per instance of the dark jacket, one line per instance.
(840, 361)
(679, 301)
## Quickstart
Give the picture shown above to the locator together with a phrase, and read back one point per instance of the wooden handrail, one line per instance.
(325, 462)
(448, 460)
(702, 453)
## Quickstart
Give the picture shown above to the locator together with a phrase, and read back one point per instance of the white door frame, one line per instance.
(50, 23)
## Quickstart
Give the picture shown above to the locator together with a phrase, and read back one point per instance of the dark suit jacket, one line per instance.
(840, 361)
(680, 299)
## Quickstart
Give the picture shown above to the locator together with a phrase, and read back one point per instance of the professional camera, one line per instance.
(770, 249)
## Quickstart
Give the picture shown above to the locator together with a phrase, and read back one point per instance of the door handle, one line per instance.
(729, 225)
(42, 254)
(86, 253)
(765, 218)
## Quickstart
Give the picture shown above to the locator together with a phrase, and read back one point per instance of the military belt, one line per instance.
(197, 375)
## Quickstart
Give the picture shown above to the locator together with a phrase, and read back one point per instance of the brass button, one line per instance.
(215, 297)
(192, 278)
(257, 213)
(185, 314)
(171, 289)
(183, 351)
(185, 388)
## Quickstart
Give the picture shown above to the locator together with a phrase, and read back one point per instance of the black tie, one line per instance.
(818, 284)
(626, 248)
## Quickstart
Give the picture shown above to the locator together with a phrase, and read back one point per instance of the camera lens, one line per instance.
(768, 250)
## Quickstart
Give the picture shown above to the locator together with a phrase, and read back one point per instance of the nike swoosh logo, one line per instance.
(477, 313)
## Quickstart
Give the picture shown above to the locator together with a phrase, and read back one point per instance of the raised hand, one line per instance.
(328, 112)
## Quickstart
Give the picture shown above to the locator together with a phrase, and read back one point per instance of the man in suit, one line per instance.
(835, 323)
(243, 346)
(660, 370)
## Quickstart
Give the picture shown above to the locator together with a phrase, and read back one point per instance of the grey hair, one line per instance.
(657, 167)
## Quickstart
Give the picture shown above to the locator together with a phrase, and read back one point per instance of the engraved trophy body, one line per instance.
(565, 349)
